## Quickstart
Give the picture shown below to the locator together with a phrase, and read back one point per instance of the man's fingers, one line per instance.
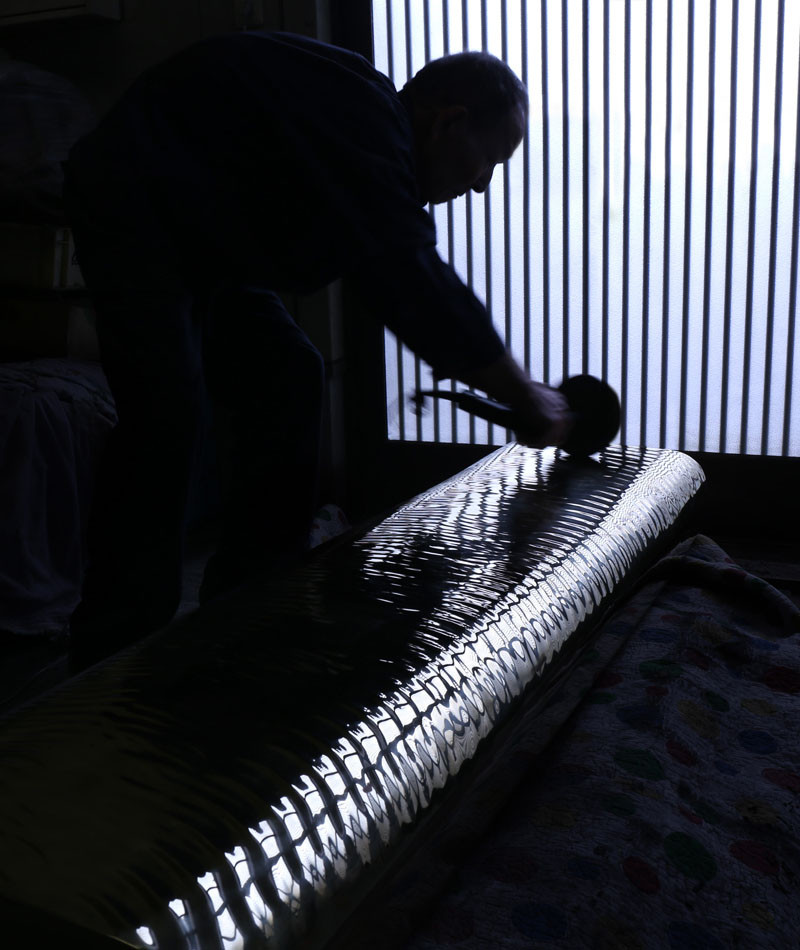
(544, 417)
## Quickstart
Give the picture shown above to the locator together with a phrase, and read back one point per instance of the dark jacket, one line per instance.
(279, 161)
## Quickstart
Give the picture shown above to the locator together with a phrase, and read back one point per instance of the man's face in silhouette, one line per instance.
(456, 155)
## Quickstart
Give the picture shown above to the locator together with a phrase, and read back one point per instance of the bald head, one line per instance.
(486, 86)
(469, 112)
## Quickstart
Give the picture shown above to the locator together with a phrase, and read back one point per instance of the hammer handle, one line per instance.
(498, 413)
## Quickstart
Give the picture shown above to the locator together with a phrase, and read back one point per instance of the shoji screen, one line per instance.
(647, 229)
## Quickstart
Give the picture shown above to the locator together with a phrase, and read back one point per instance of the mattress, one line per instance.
(251, 774)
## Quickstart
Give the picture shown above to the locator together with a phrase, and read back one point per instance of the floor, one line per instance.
(31, 666)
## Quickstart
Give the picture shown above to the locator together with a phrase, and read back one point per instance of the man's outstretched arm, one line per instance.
(424, 302)
(542, 412)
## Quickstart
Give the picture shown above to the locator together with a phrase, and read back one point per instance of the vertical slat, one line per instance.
(726, 328)
(506, 196)
(626, 219)
(790, 335)
(545, 201)
(506, 208)
(400, 346)
(687, 227)
(586, 141)
(773, 231)
(606, 185)
(751, 233)
(665, 301)
(452, 408)
(426, 27)
(487, 208)
(565, 320)
(648, 155)
(468, 199)
(751, 243)
(712, 57)
(389, 35)
(526, 205)
(401, 420)
(426, 39)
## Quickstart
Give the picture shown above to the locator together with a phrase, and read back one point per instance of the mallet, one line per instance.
(593, 403)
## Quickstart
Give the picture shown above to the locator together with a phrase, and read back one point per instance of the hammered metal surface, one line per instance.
(237, 779)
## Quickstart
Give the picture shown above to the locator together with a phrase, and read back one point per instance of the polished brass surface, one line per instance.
(237, 779)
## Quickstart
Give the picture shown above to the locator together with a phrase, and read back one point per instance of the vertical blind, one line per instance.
(646, 231)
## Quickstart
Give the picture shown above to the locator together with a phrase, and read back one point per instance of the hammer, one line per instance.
(593, 403)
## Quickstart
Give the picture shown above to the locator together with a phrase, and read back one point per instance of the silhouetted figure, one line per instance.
(244, 166)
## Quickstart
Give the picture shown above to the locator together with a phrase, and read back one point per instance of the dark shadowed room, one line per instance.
(399, 465)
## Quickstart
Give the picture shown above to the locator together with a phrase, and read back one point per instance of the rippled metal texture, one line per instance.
(239, 779)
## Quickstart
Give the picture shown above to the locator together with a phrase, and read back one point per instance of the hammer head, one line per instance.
(597, 414)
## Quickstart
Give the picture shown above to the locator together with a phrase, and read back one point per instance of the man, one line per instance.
(244, 166)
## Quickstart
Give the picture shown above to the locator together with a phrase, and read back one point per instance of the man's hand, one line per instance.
(543, 412)
(544, 417)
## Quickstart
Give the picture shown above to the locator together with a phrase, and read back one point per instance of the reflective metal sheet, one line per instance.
(218, 785)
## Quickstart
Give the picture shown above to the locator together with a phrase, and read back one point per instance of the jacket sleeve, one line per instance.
(422, 300)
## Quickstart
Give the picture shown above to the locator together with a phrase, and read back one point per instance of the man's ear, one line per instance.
(447, 118)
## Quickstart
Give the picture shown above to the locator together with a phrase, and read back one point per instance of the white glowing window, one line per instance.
(660, 253)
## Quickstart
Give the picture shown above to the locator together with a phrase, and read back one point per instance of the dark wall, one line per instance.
(102, 57)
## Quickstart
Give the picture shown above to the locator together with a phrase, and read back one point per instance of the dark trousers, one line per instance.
(168, 343)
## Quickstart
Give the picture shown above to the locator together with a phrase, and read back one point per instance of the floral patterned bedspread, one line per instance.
(666, 811)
